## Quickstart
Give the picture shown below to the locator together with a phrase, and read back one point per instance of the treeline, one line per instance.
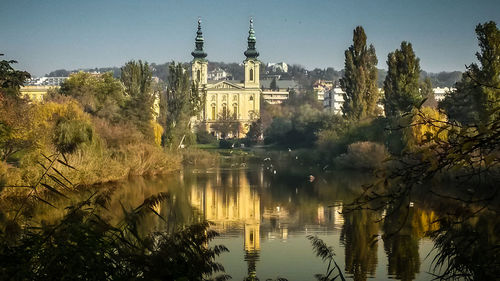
(105, 126)
(305, 77)
(402, 119)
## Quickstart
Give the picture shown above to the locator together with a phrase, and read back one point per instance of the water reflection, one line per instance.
(359, 236)
(264, 217)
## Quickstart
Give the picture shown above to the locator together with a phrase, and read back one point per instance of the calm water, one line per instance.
(264, 217)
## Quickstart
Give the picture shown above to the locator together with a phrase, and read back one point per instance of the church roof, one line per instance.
(224, 84)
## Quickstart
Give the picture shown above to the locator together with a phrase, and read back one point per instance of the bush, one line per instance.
(363, 156)
(69, 134)
(204, 137)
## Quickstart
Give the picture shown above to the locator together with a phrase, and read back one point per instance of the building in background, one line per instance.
(278, 67)
(219, 74)
(440, 93)
(333, 100)
(45, 81)
(278, 93)
(321, 88)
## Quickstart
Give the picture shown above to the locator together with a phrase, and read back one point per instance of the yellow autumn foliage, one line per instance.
(158, 132)
(45, 115)
(428, 127)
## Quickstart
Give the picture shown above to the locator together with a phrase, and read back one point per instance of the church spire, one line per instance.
(251, 52)
(198, 52)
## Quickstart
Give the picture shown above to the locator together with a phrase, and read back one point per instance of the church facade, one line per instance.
(237, 104)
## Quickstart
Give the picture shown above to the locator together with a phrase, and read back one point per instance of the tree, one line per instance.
(136, 76)
(13, 111)
(360, 78)
(10, 79)
(477, 95)
(401, 86)
(428, 93)
(226, 124)
(273, 85)
(183, 101)
(100, 95)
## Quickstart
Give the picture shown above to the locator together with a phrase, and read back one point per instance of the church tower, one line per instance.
(252, 64)
(199, 65)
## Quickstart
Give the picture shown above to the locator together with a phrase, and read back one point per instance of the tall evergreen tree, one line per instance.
(360, 78)
(401, 85)
(476, 99)
(137, 78)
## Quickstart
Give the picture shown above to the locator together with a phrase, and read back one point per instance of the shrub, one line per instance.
(69, 134)
(363, 156)
(204, 137)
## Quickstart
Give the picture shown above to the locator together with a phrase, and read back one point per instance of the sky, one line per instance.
(47, 35)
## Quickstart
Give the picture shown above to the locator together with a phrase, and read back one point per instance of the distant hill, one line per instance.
(297, 72)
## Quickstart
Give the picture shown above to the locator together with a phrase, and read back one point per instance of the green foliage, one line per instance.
(477, 96)
(226, 125)
(85, 246)
(14, 123)
(10, 79)
(401, 86)
(136, 76)
(69, 134)
(360, 79)
(100, 95)
(273, 86)
(204, 137)
(255, 133)
(326, 254)
(182, 101)
(363, 156)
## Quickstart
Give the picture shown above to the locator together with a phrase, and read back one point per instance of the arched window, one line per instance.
(251, 74)
(224, 110)
(213, 111)
(251, 98)
(198, 75)
(235, 111)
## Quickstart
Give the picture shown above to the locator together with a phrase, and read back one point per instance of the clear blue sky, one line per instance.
(48, 35)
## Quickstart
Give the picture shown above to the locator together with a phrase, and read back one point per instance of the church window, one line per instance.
(251, 74)
(235, 111)
(213, 111)
(251, 98)
(224, 110)
(198, 75)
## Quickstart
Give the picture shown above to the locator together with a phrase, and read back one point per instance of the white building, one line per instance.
(333, 100)
(321, 88)
(45, 81)
(440, 93)
(275, 97)
(278, 67)
(218, 74)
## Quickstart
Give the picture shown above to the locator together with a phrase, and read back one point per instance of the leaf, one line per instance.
(56, 180)
(53, 190)
(60, 174)
(156, 213)
(43, 201)
(66, 164)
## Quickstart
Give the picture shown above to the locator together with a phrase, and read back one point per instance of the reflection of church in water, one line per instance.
(236, 209)
(231, 200)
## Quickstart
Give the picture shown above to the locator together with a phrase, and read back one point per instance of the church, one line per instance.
(232, 102)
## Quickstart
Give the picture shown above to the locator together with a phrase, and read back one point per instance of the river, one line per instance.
(265, 210)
